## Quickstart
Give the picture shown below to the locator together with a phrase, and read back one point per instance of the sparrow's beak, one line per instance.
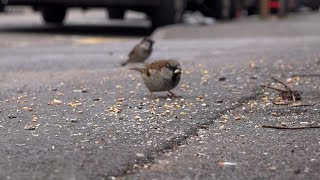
(177, 71)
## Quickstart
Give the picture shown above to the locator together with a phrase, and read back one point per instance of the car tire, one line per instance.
(284, 8)
(315, 8)
(235, 9)
(53, 15)
(219, 9)
(168, 12)
(296, 6)
(254, 8)
(2, 7)
(116, 13)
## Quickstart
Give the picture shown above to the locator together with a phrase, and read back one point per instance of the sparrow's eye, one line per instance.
(168, 65)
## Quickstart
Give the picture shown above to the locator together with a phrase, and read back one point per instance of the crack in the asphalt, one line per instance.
(179, 140)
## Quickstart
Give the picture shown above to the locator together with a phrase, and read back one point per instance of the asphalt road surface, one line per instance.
(69, 111)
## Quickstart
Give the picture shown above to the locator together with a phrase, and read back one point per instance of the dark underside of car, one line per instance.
(86, 3)
(160, 12)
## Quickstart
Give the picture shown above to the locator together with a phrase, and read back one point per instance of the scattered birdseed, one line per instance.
(34, 119)
(59, 94)
(139, 154)
(30, 126)
(27, 109)
(74, 104)
(224, 163)
(56, 101)
(80, 90)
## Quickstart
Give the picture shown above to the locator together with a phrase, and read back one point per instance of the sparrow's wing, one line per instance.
(133, 52)
(136, 69)
(157, 64)
(131, 55)
(141, 70)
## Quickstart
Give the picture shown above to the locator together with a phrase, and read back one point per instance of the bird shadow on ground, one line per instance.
(164, 96)
(100, 30)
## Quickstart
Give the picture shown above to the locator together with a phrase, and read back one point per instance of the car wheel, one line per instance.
(53, 15)
(254, 8)
(168, 12)
(116, 13)
(315, 8)
(235, 9)
(2, 7)
(296, 5)
(284, 8)
(219, 9)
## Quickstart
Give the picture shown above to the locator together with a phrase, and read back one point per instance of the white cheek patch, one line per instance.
(177, 71)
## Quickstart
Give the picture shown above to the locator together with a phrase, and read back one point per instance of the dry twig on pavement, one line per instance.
(305, 75)
(292, 104)
(285, 127)
(287, 94)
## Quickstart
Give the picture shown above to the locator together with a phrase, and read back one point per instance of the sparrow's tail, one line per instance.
(136, 69)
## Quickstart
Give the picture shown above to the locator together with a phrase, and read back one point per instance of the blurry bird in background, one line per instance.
(140, 52)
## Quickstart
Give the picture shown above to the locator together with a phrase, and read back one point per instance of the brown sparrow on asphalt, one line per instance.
(140, 52)
(162, 75)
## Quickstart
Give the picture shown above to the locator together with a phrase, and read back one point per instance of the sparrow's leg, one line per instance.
(172, 95)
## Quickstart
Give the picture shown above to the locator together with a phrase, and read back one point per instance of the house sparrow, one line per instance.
(162, 75)
(140, 52)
